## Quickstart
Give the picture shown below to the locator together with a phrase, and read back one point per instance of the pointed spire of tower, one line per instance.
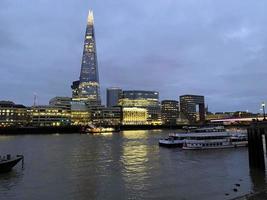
(90, 19)
(88, 88)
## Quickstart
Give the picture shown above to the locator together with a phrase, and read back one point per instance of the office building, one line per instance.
(169, 112)
(193, 108)
(87, 88)
(148, 100)
(80, 114)
(106, 116)
(113, 96)
(50, 116)
(134, 116)
(12, 114)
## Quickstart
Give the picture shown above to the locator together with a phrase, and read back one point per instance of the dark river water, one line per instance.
(126, 165)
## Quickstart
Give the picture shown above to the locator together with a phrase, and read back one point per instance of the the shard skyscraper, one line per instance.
(87, 89)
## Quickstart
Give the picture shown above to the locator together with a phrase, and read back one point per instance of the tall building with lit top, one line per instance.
(87, 88)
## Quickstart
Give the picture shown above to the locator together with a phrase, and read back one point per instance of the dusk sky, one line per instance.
(213, 48)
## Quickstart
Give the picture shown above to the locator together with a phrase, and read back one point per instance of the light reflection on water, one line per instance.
(126, 165)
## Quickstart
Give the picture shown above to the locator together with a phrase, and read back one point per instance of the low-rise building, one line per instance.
(50, 116)
(102, 116)
(134, 116)
(80, 114)
(12, 114)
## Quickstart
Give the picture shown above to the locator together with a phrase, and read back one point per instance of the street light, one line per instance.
(263, 109)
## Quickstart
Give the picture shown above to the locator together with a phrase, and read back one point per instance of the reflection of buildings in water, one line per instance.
(78, 165)
(135, 160)
(96, 169)
(136, 134)
(258, 179)
(6, 138)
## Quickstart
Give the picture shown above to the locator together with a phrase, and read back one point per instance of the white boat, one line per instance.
(215, 141)
(174, 140)
(99, 130)
(177, 139)
(210, 129)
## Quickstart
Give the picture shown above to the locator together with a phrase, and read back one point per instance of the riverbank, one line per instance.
(75, 129)
(80, 129)
(39, 130)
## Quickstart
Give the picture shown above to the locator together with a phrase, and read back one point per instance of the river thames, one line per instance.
(125, 165)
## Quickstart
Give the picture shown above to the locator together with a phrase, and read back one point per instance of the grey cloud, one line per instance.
(217, 49)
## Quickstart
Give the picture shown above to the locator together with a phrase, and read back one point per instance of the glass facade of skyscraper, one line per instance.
(87, 89)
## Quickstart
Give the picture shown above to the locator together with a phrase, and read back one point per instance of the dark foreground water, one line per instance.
(126, 165)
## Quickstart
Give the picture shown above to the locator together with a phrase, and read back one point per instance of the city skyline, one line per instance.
(212, 54)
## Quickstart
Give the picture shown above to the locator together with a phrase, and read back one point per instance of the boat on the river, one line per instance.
(97, 130)
(211, 137)
(215, 141)
(8, 162)
(210, 129)
(174, 140)
(178, 139)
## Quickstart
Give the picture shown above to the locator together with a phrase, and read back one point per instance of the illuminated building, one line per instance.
(218, 115)
(113, 96)
(148, 100)
(134, 116)
(80, 114)
(49, 116)
(228, 115)
(169, 112)
(87, 87)
(193, 108)
(12, 114)
(61, 102)
(104, 117)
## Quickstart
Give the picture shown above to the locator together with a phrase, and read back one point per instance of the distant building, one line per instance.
(148, 100)
(50, 116)
(105, 117)
(218, 115)
(113, 96)
(86, 89)
(169, 112)
(61, 102)
(12, 114)
(134, 116)
(230, 115)
(193, 107)
(243, 114)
